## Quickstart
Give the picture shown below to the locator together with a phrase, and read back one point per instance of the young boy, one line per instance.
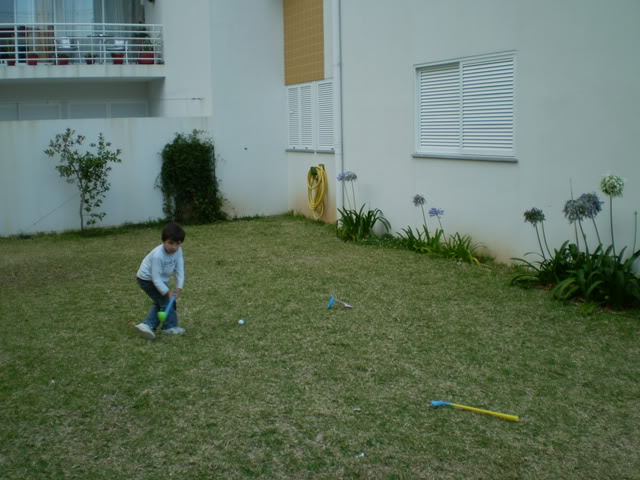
(153, 276)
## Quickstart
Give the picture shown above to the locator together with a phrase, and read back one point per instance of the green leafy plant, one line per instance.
(460, 247)
(424, 242)
(88, 171)
(188, 180)
(356, 225)
(603, 278)
(548, 271)
(457, 247)
(600, 276)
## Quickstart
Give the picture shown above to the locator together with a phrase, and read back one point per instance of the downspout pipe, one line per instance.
(337, 98)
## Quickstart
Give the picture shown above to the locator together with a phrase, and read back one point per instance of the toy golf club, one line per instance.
(333, 300)
(504, 416)
(162, 316)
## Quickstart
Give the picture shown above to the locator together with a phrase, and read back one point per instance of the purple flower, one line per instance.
(347, 177)
(436, 212)
(534, 216)
(574, 210)
(591, 204)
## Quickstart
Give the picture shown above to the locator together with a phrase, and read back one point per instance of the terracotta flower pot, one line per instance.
(146, 58)
(118, 58)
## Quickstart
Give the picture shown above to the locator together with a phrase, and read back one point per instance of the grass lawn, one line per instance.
(299, 391)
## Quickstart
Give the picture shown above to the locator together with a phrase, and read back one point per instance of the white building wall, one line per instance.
(576, 112)
(224, 74)
(299, 163)
(249, 116)
(186, 89)
(34, 198)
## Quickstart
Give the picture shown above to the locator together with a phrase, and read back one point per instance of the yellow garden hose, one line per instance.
(316, 190)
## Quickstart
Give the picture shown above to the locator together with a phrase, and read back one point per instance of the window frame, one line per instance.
(320, 121)
(491, 153)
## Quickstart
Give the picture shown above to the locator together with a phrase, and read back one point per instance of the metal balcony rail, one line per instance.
(80, 43)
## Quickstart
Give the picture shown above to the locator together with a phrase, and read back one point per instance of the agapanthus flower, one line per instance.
(612, 185)
(534, 216)
(574, 210)
(591, 204)
(419, 200)
(436, 212)
(347, 177)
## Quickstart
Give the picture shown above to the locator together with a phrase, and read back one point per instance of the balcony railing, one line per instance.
(80, 43)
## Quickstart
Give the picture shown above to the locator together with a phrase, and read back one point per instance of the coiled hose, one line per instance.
(316, 189)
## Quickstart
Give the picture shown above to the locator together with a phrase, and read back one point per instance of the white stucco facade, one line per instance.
(575, 114)
(223, 73)
(576, 107)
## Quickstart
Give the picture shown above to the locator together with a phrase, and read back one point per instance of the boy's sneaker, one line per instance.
(145, 331)
(174, 331)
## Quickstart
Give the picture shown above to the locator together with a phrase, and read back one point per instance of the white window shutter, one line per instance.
(439, 108)
(293, 94)
(325, 115)
(487, 106)
(310, 116)
(306, 117)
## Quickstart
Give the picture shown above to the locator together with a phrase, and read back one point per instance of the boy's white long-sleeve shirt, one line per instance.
(158, 266)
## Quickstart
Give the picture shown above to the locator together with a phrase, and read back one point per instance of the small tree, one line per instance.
(88, 171)
(188, 180)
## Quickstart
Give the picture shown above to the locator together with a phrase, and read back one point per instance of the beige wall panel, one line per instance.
(303, 41)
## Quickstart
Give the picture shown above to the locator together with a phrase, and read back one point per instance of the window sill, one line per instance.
(474, 158)
(296, 150)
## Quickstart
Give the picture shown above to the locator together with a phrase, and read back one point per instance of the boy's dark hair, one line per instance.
(173, 231)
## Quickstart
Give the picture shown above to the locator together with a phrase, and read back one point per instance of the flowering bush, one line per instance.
(456, 247)
(600, 276)
(358, 224)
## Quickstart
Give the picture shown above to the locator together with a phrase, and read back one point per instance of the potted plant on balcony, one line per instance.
(118, 58)
(32, 59)
(147, 55)
(90, 58)
(145, 47)
(63, 59)
(7, 53)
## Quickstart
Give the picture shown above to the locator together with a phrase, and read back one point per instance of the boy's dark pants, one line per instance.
(159, 303)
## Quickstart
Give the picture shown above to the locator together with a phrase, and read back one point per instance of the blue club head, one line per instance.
(332, 300)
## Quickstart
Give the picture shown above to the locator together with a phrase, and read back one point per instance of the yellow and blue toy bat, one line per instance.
(162, 316)
(504, 416)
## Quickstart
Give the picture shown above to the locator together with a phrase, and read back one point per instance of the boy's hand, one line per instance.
(174, 293)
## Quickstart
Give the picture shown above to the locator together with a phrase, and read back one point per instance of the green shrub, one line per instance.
(88, 171)
(188, 180)
(423, 242)
(358, 225)
(548, 271)
(457, 247)
(601, 276)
